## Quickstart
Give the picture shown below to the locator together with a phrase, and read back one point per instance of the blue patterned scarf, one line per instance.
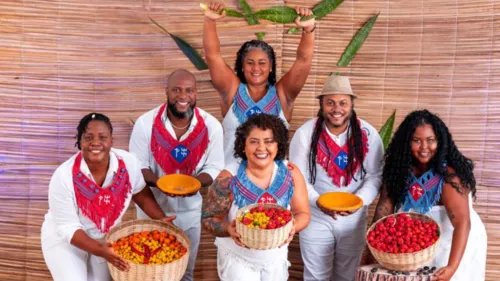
(244, 106)
(423, 192)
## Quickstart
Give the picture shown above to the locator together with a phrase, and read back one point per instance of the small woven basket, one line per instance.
(139, 272)
(262, 239)
(405, 261)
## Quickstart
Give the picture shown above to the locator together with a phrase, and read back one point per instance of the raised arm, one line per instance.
(223, 77)
(217, 205)
(457, 208)
(290, 85)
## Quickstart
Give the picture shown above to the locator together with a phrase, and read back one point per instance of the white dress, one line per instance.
(473, 264)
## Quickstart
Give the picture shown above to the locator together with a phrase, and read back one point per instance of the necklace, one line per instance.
(180, 128)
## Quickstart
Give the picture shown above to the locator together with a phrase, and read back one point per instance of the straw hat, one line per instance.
(336, 84)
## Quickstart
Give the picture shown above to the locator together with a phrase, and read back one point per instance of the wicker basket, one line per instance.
(139, 272)
(405, 261)
(262, 239)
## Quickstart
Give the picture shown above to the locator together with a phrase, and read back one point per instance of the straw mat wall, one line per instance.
(62, 59)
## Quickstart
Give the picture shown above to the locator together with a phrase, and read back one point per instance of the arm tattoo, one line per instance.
(384, 208)
(216, 206)
(451, 215)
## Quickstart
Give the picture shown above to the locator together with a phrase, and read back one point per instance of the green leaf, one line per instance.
(260, 35)
(188, 51)
(280, 14)
(277, 14)
(356, 42)
(292, 30)
(249, 15)
(325, 7)
(233, 13)
(386, 130)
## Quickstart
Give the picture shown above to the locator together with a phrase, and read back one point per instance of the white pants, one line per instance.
(194, 237)
(331, 250)
(232, 267)
(67, 262)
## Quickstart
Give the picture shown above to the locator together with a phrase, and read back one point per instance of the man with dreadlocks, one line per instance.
(337, 152)
(425, 172)
(177, 137)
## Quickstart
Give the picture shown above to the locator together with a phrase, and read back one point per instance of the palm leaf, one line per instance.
(188, 51)
(386, 130)
(325, 7)
(356, 42)
(249, 15)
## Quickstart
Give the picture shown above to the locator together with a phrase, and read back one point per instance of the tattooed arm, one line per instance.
(385, 206)
(457, 208)
(217, 205)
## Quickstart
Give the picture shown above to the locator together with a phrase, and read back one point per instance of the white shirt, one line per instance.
(367, 188)
(187, 209)
(64, 217)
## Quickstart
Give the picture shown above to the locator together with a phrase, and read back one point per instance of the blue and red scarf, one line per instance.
(244, 106)
(334, 159)
(178, 157)
(102, 206)
(245, 192)
(423, 192)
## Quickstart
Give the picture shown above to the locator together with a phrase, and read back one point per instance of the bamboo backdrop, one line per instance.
(62, 59)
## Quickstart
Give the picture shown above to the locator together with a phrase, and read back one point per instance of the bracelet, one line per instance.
(308, 32)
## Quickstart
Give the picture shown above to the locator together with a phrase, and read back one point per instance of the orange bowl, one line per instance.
(340, 201)
(178, 184)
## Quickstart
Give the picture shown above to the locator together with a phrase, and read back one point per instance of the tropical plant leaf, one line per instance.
(248, 13)
(260, 35)
(293, 30)
(386, 130)
(356, 42)
(233, 13)
(325, 7)
(280, 14)
(188, 51)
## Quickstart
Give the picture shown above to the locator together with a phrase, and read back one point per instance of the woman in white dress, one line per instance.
(425, 172)
(262, 177)
(88, 195)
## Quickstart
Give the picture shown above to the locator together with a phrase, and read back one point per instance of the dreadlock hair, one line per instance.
(84, 122)
(355, 148)
(252, 45)
(262, 121)
(399, 159)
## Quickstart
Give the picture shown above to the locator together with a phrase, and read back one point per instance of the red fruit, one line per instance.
(246, 221)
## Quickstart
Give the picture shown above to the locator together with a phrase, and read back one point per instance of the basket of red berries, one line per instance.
(263, 226)
(403, 241)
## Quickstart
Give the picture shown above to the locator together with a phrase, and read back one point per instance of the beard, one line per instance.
(181, 115)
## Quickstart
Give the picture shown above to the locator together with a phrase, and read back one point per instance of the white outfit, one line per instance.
(65, 261)
(242, 264)
(473, 263)
(187, 209)
(230, 124)
(331, 248)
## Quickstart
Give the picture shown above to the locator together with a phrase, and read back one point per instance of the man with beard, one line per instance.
(336, 152)
(179, 138)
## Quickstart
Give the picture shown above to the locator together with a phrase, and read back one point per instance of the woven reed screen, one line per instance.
(62, 59)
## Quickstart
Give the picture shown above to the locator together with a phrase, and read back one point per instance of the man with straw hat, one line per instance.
(336, 152)
(179, 138)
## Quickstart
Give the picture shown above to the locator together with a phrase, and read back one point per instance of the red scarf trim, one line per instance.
(101, 205)
(334, 158)
(178, 157)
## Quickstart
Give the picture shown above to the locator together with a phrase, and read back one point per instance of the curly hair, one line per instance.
(262, 121)
(354, 151)
(84, 122)
(252, 45)
(399, 159)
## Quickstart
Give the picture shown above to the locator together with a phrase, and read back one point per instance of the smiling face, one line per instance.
(260, 147)
(181, 94)
(96, 142)
(256, 67)
(336, 110)
(424, 144)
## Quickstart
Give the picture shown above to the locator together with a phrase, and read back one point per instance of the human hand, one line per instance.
(444, 273)
(290, 235)
(231, 229)
(214, 10)
(307, 25)
(106, 252)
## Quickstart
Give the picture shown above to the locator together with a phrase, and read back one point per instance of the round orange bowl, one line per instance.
(178, 184)
(340, 201)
